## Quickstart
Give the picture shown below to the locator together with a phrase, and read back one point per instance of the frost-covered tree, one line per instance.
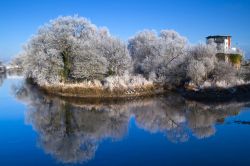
(143, 49)
(202, 65)
(116, 54)
(18, 60)
(156, 54)
(72, 48)
(110, 57)
(174, 54)
(87, 62)
(174, 45)
(201, 51)
(200, 62)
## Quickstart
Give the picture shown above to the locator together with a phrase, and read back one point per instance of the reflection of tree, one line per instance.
(71, 130)
(2, 78)
(202, 118)
(165, 115)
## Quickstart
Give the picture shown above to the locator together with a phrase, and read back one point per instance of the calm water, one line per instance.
(41, 130)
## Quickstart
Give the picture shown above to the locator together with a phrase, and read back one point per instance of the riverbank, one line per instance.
(90, 91)
(211, 94)
(98, 91)
(134, 86)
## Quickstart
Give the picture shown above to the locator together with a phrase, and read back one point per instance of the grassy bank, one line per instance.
(97, 91)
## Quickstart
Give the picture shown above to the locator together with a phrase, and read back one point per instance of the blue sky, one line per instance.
(195, 19)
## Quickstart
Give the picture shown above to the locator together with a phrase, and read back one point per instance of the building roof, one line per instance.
(218, 36)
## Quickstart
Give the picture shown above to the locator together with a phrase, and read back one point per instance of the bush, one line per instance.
(224, 72)
(235, 58)
(196, 71)
(126, 81)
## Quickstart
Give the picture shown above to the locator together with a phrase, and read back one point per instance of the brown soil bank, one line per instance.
(99, 92)
(236, 93)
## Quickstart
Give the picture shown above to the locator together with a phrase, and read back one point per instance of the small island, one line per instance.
(72, 57)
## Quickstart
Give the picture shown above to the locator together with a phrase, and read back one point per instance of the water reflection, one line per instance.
(71, 130)
(2, 78)
(14, 74)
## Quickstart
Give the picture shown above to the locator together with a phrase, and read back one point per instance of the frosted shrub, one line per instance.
(196, 71)
(126, 81)
(225, 72)
(206, 84)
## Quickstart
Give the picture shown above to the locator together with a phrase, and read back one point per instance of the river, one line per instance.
(38, 129)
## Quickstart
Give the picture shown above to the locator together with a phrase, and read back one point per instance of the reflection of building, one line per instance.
(223, 43)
